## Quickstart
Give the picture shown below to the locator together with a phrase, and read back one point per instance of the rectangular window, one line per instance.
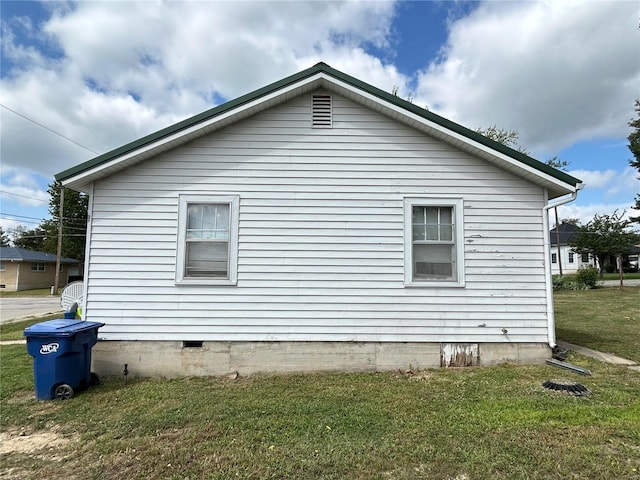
(554, 258)
(207, 239)
(571, 257)
(37, 267)
(584, 258)
(433, 242)
(3, 266)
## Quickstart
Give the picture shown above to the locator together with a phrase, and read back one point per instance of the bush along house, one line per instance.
(317, 224)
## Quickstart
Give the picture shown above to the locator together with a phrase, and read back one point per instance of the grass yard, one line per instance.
(13, 330)
(463, 424)
(479, 423)
(40, 292)
(604, 319)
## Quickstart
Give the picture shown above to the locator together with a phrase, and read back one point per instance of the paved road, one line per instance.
(631, 282)
(16, 308)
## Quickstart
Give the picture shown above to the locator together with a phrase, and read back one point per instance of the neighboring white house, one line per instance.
(318, 223)
(570, 260)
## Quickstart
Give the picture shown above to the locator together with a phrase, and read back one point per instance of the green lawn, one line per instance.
(40, 292)
(13, 330)
(464, 424)
(604, 319)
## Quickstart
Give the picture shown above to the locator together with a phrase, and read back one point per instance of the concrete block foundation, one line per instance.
(177, 359)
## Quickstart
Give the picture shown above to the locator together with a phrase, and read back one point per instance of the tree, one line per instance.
(44, 237)
(33, 239)
(604, 236)
(506, 137)
(74, 222)
(555, 162)
(634, 146)
(4, 239)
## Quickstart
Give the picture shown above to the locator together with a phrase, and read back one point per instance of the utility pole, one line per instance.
(59, 252)
(558, 241)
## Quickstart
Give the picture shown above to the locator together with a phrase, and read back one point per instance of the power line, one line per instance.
(16, 194)
(21, 216)
(79, 225)
(52, 236)
(47, 128)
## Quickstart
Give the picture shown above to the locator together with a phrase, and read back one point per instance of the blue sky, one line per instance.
(563, 74)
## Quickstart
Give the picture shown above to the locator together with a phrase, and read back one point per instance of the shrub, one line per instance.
(561, 282)
(587, 276)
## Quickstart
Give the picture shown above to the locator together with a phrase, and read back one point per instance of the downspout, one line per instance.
(551, 319)
(87, 251)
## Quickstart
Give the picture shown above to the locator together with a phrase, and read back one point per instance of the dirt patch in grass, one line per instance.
(26, 441)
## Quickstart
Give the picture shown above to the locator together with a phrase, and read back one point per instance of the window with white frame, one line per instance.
(571, 257)
(207, 239)
(434, 241)
(3, 266)
(554, 258)
(38, 267)
(584, 258)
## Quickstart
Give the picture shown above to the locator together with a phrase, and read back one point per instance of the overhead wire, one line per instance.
(47, 128)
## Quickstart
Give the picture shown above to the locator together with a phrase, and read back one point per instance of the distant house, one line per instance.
(570, 260)
(22, 269)
(318, 223)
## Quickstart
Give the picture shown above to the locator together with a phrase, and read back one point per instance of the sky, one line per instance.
(78, 79)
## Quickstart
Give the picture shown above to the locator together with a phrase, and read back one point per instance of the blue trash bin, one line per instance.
(61, 351)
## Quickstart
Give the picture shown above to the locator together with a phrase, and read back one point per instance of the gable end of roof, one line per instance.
(319, 68)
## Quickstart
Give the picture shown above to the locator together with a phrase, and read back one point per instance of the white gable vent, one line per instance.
(321, 111)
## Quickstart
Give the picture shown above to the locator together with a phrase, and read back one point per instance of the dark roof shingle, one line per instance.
(24, 255)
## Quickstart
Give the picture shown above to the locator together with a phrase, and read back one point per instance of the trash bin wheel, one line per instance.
(63, 392)
(94, 380)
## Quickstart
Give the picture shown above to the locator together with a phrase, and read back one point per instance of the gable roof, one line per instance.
(17, 254)
(566, 232)
(320, 75)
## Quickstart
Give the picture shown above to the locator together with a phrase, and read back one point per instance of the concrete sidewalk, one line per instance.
(600, 356)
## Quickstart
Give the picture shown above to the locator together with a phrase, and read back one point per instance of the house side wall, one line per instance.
(28, 279)
(567, 265)
(9, 276)
(320, 238)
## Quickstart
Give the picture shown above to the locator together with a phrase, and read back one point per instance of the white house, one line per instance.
(564, 256)
(318, 223)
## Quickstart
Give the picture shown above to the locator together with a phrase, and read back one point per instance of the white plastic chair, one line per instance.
(72, 293)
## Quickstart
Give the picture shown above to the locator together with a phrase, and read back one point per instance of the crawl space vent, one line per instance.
(321, 111)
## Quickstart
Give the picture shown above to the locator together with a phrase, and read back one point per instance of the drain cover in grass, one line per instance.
(573, 388)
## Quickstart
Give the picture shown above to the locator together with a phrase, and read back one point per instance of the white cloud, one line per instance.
(121, 74)
(585, 213)
(626, 183)
(557, 72)
(20, 188)
(595, 178)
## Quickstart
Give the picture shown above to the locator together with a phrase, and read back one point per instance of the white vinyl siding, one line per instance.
(321, 239)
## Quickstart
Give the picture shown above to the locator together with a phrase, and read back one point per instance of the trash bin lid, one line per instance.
(60, 328)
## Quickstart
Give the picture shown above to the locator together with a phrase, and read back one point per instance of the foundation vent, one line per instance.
(321, 111)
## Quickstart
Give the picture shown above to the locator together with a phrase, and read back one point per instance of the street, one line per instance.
(15, 308)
